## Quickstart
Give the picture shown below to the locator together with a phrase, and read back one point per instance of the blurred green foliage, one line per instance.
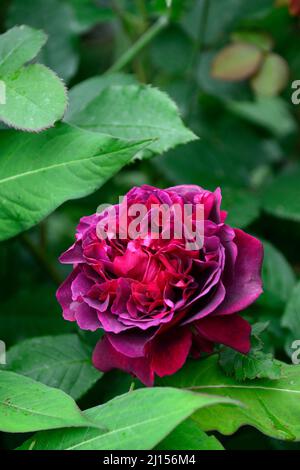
(249, 144)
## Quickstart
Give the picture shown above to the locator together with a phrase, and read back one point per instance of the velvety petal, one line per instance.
(230, 330)
(170, 350)
(73, 255)
(244, 285)
(132, 264)
(111, 322)
(86, 317)
(64, 296)
(106, 358)
(131, 343)
(209, 306)
(84, 225)
(80, 286)
(201, 345)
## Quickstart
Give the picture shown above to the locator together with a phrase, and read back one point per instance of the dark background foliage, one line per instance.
(249, 145)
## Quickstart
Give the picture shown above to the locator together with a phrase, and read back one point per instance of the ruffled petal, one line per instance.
(64, 296)
(106, 358)
(86, 317)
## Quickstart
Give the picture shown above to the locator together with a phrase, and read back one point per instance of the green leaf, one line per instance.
(259, 39)
(136, 420)
(88, 14)
(27, 406)
(228, 154)
(291, 318)
(18, 46)
(40, 172)
(242, 206)
(269, 112)
(57, 18)
(82, 94)
(35, 98)
(236, 62)
(189, 436)
(62, 362)
(282, 197)
(271, 406)
(272, 77)
(172, 51)
(278, 278)
(223, 16)
(135, 113)
(219, 88)
(24, 309)
(255, 365)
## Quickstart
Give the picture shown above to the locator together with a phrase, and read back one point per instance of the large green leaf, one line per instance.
(57, 18)
(272, 406)
(189, 436)
(282, 197)
(35, 98)
(27, 406)
(18, 46)
(136, 420)
(40, 172)
(82, 94)
(278, 278)
(62, 362)
(291, 319)
(242, 206)
(135, 112)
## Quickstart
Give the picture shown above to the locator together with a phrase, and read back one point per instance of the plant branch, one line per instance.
(145, 39)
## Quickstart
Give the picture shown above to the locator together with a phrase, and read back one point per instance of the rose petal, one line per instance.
(131, 343)
(231, 330)
(106, 358)
(170, 350)
(73, 255)
(64, 296)
(86, 317)
(80, 286)
(243, 285)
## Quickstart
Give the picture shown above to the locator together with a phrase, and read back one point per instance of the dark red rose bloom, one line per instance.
(158, 300)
